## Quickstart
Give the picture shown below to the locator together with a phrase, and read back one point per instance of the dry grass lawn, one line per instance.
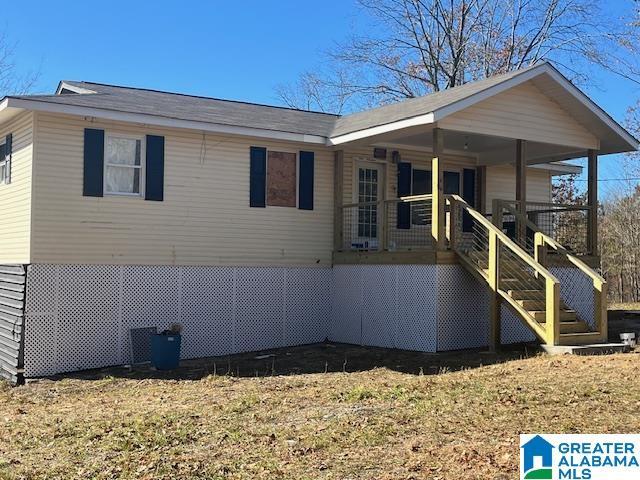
(415, 417)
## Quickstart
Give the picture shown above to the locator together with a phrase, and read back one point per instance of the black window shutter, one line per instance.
(154, 176)
(469, 195)
(93, 162)
(8, 150)
(305, 187)
(404, 190)
(258, 177)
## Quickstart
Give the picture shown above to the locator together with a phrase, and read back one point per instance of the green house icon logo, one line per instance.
(538, 459)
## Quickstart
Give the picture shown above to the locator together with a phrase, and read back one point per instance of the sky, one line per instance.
(226, 49)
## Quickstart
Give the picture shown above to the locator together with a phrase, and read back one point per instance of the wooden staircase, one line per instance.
(521, 280)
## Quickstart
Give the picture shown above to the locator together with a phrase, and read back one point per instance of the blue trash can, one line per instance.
(165, 351)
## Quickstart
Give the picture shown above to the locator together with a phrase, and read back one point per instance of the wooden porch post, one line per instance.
(592, 200)
(437, 190)
(495, 303)
(521, 187)
(338, 189)
(481, 178)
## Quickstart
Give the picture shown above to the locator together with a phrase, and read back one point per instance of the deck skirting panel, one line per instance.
(79, 316)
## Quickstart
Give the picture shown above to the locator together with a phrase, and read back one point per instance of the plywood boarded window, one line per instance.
(281, 179)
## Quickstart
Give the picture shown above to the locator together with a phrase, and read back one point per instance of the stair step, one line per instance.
(584, 338)
(539, 304)
(571, 327)
(510, 283)
(565, 315)
(508, 264)
(527, 294)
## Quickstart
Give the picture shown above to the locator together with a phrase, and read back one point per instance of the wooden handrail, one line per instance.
(415, 198)
(409, 199)
(551, 332)
(595, 276)
(504, 239)
(541, 240)
(568, 206)
(500, 206)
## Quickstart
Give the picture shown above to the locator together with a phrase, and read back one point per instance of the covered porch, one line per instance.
(464, 177)
(391, 205)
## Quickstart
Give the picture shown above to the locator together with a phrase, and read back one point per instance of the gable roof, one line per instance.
(228, 116)
(429, 109)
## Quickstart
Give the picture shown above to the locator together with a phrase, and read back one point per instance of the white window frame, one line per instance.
(4, 162)
(140, 167)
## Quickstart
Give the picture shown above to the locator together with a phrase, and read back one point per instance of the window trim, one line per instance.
(141, 167)
(4, 161)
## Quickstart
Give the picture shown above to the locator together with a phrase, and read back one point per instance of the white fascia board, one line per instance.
(159, 121)
(425, 119)
(73, 88)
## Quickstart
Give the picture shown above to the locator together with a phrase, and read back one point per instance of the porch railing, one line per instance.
(544, 245)
(567, 224)
(391, 225)
(505, 266)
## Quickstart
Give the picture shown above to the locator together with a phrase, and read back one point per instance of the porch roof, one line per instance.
(419, 114)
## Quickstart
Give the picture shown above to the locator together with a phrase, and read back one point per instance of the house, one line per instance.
(537, 447)
(424, 225)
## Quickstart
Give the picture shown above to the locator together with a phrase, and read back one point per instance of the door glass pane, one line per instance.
(368, 192)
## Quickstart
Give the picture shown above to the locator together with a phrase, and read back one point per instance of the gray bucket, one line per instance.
(628, 339)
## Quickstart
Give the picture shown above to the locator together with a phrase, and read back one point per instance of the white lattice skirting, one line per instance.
(79, 316)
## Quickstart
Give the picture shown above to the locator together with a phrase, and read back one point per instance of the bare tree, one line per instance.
(12, 81)
(424, 46)
(620, 246)
(311, 92)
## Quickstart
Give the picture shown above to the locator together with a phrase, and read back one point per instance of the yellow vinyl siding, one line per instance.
(501, 184)
(205, 218)
(15, 198)
(522, 112)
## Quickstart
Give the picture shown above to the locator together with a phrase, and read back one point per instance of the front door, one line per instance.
(369, 189)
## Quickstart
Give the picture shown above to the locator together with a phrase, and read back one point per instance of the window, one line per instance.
(123, 165)
(281, 179)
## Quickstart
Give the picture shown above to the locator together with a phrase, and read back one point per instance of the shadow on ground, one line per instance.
(317, 358)
(336, 357)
